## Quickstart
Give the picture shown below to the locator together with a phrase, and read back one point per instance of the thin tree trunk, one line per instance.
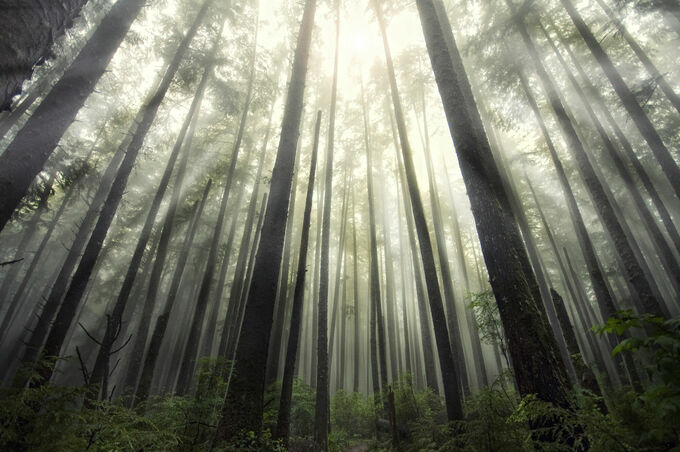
(283, 421)
(452, 392)
(322, 405)
(232, 319)
(25, 157)
(447, 279)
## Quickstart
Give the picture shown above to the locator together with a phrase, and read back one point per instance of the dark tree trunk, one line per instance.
(28, 28)
(232, 319)
(452, 391)
(283, 421)
(30, 149)
(244, 402)
(355, 297)
(421, 292)
(586, 378)
(537, 363)
(322, 406)
(442, 254)
(630, 103)
(480, 366)
(377, 320)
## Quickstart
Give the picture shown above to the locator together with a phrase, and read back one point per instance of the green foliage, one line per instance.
(51, 418)
(352, 416)
(250, 441)
(484, 307)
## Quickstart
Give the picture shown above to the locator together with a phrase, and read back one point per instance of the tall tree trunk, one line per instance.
(390, 296)
(283, 421)
(460, 251)
(452, 392)
(28, 29)
(322, 406)
(421, 291)
(25, 157)
(537, 364)
(447, 279)
(244, 402)
(355, 296)
(232, 320)
(586, 378)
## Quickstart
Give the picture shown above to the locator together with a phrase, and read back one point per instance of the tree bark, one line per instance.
(283, 421)
(537, 364)
(28, 29)
(244, 401)
(452, 392)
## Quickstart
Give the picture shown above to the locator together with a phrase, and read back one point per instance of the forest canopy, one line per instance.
(331, 225)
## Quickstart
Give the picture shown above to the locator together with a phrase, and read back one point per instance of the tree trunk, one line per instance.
(452, 392)
(244, 402)
(28, 29)
(447, 279)
(322, 406)
(232, 320)
(283, 421)
(25, 157)
(537, 363)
